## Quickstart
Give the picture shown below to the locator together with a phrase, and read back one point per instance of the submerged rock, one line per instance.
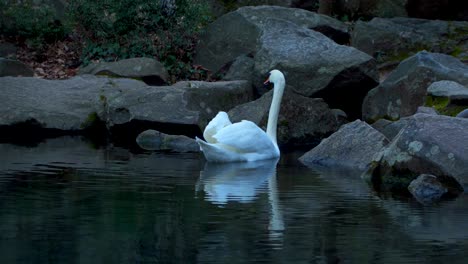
(353, 146)
(427, 189)
(155, 140)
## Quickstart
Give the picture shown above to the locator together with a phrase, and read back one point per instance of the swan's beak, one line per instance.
(267, 81)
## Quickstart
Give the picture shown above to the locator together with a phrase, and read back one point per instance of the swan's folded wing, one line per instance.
(220, 121)
(244, 137)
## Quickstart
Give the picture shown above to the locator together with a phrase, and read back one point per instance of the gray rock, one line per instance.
(8, 50)
(301, 120)
(377, 37)
(151, 71)
(237, 32)
(449, 89)
(192, 103)
(155, 140)
(426, 110)
(14, 68)
(240, 69)
(428, 144)
(405, 88)
(388, 128)
(340, 116)
(78, 103)
(463, 114)
(427, 189)
(353, 146)
(448, 97)
(316, 66)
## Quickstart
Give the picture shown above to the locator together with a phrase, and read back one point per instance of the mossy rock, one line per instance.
(444, 106)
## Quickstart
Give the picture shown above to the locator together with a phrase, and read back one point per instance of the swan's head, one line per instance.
(275, 77)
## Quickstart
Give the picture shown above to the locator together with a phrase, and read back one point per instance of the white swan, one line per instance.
(244, 141)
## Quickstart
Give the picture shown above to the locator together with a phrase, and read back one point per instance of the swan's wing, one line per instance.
(220, 121)
(244, 137)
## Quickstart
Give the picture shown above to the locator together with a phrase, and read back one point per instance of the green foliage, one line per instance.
(37, 25)
(164, 29)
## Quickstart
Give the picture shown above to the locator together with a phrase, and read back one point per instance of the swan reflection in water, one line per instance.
(243, 182)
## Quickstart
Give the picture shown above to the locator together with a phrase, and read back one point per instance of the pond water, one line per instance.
(65, 201)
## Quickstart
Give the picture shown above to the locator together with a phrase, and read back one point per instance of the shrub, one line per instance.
(165, 29)
(35, 25)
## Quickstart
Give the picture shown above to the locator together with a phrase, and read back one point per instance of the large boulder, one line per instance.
(315, 66)
(354, 146)
(191, 103)
(428, 144)
(10, 67)
(301, 120)
(240, 69)
(405, 88)
(119, 104)
(447, 97)
(237, 32)
(377, 38)
(150, 71)
(282, 38)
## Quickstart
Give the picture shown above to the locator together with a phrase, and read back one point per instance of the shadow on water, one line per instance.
(66, 201)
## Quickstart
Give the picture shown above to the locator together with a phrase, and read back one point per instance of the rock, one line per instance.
(155, 140)
(150, 71)
(377, 38)
(388, 128)
(340, 116)
(14, 68)
(353, 146)
(316, 66)
(427, 188)
(120, 105)
(451, 90)
(426, 110)
(237, 32)
(428, 144)
(463, 114)
(301, 120)
(8, 51)
(240, 69)
(448, 97)
(405, 88)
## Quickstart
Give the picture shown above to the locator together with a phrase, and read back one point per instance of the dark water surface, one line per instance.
(64, 201)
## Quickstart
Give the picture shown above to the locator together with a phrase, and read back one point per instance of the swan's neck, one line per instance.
(274, 110)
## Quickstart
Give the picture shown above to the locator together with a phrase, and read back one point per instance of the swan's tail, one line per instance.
(200, 142)
(212, 152)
